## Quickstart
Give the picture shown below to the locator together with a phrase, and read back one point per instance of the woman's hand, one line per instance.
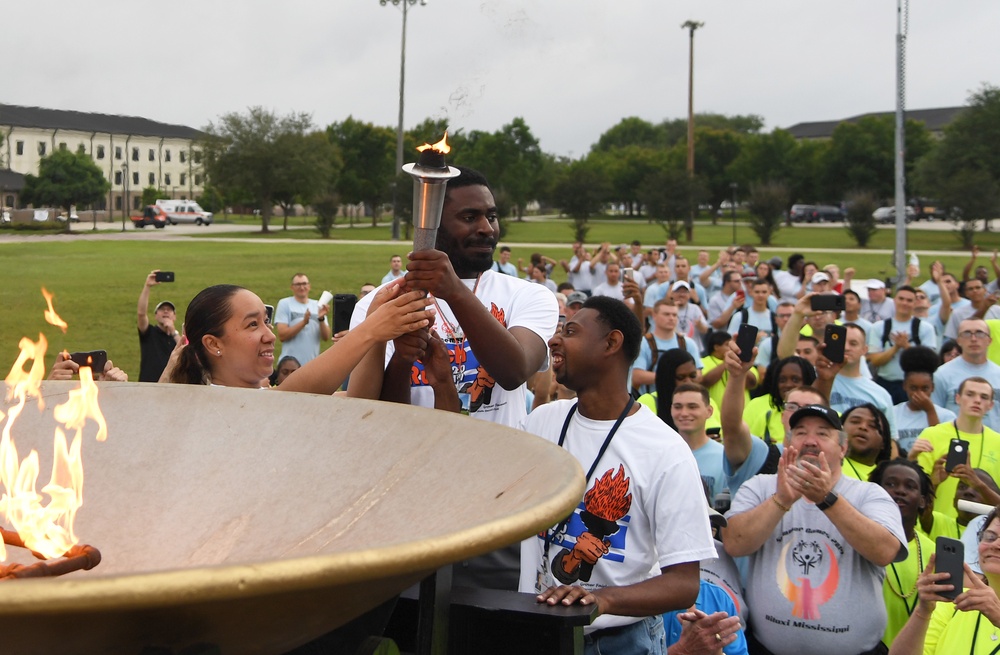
(979, 597)
(929, 586)
(398, 315)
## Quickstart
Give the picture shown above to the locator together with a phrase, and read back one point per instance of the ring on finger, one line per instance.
(718, 637)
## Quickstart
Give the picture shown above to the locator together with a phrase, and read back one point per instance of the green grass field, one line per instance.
(96, 283)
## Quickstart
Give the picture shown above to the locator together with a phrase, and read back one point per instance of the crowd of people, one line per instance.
(771, 501)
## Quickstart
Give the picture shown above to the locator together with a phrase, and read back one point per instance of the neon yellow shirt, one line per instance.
(952, 632)
(984, 453)
(899, 588)
(993, 352)
(855, 469)
(763, 419)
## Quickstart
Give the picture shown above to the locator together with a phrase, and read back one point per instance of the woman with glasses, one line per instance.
(970, 623)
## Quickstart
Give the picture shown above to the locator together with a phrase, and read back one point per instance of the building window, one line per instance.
(118, 152)
(166, 155)
(135, 179)
(41, 148)
(135, 154)
(118, 178)
(197, 156)
(118, 202)
(183, 156)
(136, 202)
(152, 154)
(197, 179)
(20, 147)
(9, 201)
(100, 152)
(183, 179)
(166, 179)
(62, 146)
(152, 179)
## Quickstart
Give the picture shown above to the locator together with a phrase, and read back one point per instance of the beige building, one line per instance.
(133, 152)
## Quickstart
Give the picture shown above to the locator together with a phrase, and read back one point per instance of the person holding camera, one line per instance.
(156, 342)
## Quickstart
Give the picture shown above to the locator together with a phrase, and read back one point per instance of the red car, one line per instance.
(151, 215)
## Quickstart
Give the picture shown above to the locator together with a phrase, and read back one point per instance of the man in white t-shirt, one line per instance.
(612, 286)
(301, 322)
(578, 271)
(623, 550)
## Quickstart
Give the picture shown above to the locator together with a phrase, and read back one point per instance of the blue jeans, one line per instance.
(641, 638)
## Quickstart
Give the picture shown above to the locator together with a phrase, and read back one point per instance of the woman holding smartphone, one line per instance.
(228, 341)
(970, 623)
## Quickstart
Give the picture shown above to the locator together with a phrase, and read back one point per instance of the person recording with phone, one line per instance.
(974, 400)
(842, 380)
(67, 366)
(728, 301)
(156, 341)
(943, 622)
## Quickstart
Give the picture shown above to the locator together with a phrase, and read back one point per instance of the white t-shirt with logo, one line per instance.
(644, 501)
(514, 303)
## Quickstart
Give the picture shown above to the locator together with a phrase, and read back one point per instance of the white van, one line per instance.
(184, 211)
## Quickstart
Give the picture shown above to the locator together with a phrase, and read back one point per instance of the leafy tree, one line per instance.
(859, 222)
(862, 155)
(670, 195)
(972, 195)
(369, 155)
(969, 147)
(510, 158)
(245, 154)
(150, 195)
(631, 131)
(580, 190)
(626, 168)
(326, 213)
(311, 167)
(211, 200)
(675, 131)
(779, 157)
(66, 179)
(767, 205)
(714, 151)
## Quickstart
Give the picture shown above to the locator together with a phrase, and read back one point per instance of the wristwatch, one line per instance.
(827, 502)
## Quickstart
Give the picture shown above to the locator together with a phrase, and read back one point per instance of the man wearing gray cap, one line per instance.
(876, 307)
(822, 537)
(156, 342)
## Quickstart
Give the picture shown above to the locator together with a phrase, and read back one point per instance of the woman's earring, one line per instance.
(219, 353)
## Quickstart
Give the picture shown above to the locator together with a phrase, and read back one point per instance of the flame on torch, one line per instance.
(441, 146)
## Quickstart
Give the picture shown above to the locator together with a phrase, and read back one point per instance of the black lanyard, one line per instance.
(549, 534)
(975, 635)
(982, 441)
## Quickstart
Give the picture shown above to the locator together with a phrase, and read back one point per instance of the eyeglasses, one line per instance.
(978, 334)
(988, 537)
(300, 284)
(792, 407)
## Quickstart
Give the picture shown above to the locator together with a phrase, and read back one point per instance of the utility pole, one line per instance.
(691, 26)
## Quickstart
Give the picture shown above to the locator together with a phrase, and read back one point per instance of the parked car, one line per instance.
(887, 215)
(927, 209)
(801, 213)
(828, 214)
(151, 215)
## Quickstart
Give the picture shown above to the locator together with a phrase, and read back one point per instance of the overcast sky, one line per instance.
(572, 69)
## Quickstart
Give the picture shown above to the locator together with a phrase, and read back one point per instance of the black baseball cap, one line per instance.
(819, 411)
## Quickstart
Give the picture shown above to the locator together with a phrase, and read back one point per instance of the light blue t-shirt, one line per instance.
(304, 346)
(949, 377)
(891, 370)
(390, 276)
(655, 291)
(849, 392)
(710, 458)
(645, 358)
(711, 599)
(748, 469)
(763, 321)
(910, 423)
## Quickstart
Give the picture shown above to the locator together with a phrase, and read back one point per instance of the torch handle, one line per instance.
(424, 239)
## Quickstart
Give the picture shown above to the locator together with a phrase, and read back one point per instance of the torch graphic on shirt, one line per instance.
(607, 501)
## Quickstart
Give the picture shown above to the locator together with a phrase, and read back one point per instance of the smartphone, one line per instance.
(949, 554)
(164, 276)
(343, 307)
(833, 339)
(741, 294)
(827, 302)
(746, 339)
(629, 273)
(958, 453)
(269, 314)
(95, 359)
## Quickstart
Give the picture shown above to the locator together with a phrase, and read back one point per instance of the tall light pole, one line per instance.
(125, 193)
(399, 128)
(691, 26)
(902, 26)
